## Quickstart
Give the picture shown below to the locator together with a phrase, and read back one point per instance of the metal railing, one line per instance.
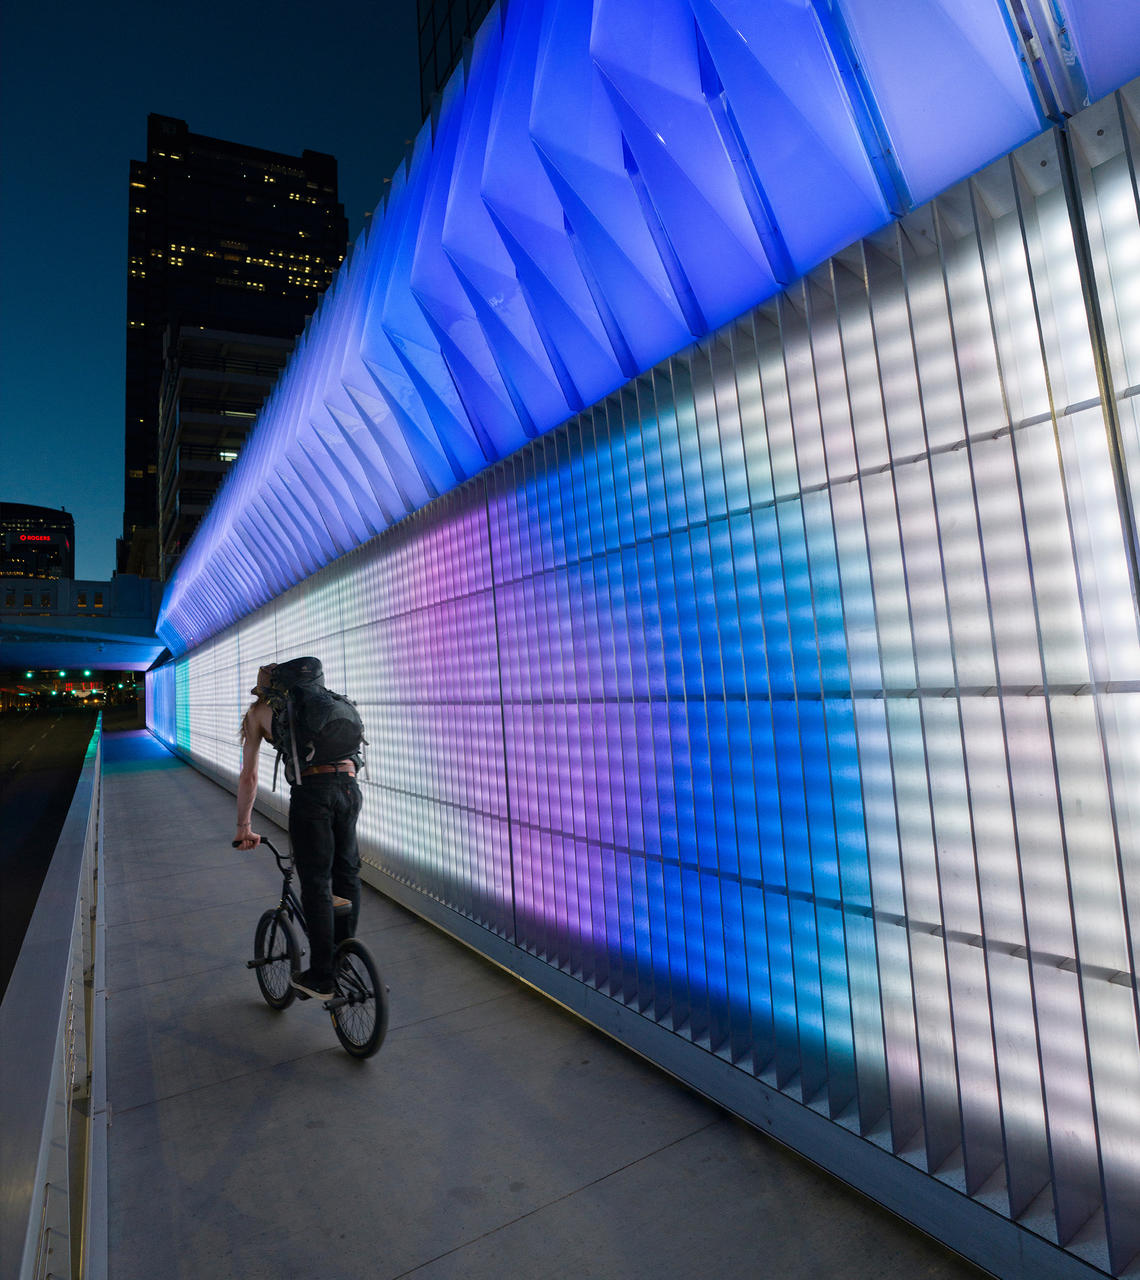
(53, 1106)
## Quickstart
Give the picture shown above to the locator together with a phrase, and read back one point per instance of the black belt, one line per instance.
(345, 766)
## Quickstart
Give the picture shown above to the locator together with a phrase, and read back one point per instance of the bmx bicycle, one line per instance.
(359, 1004)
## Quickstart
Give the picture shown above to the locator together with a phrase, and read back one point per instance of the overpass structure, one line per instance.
(714, 474)
(65, 622)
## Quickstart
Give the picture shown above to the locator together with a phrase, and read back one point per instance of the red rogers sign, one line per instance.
(35, 537)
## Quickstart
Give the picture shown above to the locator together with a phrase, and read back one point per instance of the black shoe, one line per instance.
(318, 988)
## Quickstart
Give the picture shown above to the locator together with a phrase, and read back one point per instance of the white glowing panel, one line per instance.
(789, 696)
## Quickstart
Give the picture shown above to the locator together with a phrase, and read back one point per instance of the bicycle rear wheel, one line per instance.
(276, 957)
(360, 1010)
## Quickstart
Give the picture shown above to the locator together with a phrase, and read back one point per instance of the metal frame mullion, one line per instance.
(743, 800)
(663, 987)
(703, 352)
(892, 729)
(1065, 1223)
(787, 1057)
(871, 1103)
(792, 309)
(978, 1167)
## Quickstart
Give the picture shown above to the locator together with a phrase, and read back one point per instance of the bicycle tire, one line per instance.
(276, 942)
(361, 1022)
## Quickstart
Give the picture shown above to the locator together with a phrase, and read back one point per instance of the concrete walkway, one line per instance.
(494, 1135)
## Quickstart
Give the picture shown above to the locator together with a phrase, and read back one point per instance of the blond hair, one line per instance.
(263, 674)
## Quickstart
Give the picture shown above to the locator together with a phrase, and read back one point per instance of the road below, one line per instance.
(41, 754)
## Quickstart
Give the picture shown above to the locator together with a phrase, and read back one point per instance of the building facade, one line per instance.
(444, 25)
(36, 542)
(65, 623)
(213, 384)
(223, 236)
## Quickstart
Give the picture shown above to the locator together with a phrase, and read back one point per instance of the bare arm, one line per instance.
(256, 731)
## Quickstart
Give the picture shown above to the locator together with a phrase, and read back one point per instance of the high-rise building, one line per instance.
(36, 542)
(443, 27)
(225, 237)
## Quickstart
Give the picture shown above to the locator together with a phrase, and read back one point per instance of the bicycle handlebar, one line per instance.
(281, 858)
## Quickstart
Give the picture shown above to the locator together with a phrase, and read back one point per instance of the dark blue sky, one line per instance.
(76, 83)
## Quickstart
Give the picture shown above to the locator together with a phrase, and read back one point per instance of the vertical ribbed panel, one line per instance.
(789, 697)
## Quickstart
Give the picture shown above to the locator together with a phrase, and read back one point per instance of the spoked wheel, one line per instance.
(276, 957)
(360, 1007)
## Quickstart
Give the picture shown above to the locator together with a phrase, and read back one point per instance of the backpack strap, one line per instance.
(293, 741)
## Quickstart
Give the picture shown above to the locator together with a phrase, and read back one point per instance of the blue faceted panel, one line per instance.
(408, 331)
(651, 57)
(603, 183)
(482, 264)
(1102, 39)
(530, 219)
(774, 84)
(437, 463)
(439, 292)
(946, 81)
(578, 137)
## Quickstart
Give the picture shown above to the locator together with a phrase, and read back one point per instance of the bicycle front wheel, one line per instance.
(360, 1012)
(276, 957)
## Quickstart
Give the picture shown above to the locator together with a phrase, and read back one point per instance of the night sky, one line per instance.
(77, 81)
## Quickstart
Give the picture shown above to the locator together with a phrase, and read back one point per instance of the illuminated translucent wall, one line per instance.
(607, 181)
(786, 705)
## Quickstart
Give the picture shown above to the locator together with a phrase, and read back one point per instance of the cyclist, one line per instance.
(324, 804)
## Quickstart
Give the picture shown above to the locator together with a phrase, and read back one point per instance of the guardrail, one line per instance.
(53, 1109)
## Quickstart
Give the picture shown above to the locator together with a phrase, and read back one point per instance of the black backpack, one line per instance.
(311, 724)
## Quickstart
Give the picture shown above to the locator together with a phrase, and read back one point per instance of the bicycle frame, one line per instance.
(356, 980)
(290, 904)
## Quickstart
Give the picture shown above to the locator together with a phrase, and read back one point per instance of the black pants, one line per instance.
(322, 831)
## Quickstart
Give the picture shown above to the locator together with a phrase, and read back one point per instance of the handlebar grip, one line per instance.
(234, 844)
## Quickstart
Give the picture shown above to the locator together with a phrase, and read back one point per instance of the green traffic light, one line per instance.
(86, 673)
(29, 675)
(62, 674)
